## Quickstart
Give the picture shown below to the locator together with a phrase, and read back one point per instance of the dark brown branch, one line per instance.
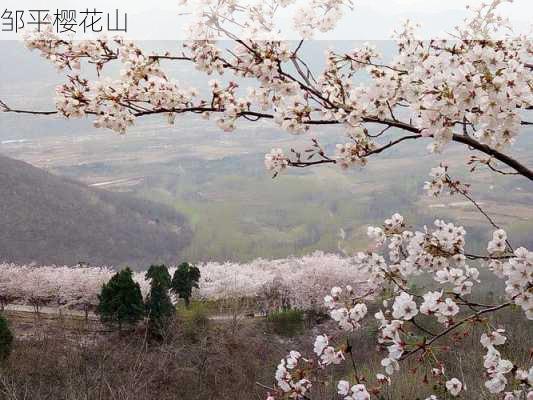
(4, 108)
(478, 257)
(380, 132)
(349, 349)
(454, 327)
(511, 162)
(303, 164)
(393, 143)
(295, 52)
(493, 168)
(467, 140)
(167, 57)
(465, 194)
(421, 328)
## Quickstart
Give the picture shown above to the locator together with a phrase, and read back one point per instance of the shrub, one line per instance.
(194, 319)
(6, 339)
(288, 322)
(120, 300)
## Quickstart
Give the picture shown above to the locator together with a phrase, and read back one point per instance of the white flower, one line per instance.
(276, 161)
(496, 384)
(321, 342)
(454, 386)
(394, 223)
(377, 235)
(358, 312)
(390, 365)
(343, 388)
(438, 175)
(330, 356)
(493, 339)
(292, 359)
(431, 303)
(404, 307)
(448, 308)
(329, 302)
(359, 392)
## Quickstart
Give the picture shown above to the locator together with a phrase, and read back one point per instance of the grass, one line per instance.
(245, 216)
(286, 322)
(241, 213)
(194, 320)
(203, 360)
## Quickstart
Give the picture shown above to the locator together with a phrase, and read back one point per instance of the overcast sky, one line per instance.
(370, 19)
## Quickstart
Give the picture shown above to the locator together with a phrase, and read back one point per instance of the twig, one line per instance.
(453, 327)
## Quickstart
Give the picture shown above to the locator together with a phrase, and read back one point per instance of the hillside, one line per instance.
(48, 219)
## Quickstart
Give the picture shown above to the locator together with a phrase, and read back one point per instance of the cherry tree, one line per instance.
(70, 287)
(304, 279)
(473, 89)
(77, 287)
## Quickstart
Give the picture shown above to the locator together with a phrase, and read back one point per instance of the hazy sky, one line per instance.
(370, 19)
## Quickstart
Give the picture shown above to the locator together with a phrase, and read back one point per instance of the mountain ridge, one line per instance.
(49, 219)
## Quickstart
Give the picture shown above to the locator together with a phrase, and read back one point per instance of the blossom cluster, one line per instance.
(443, 89)
(438, 180)
(474, 89)
(79, 286)
(276, 161)
(439, 253)
(289, 377)
(347, 315)
(257, 19)
(51, 285)
(518, 272)
(303, 280)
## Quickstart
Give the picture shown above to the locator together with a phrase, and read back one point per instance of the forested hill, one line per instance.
(47, 219)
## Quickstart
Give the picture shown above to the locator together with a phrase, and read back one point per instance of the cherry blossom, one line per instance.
(473, 88)
(79, 286)
(276, 161)
(454, 386)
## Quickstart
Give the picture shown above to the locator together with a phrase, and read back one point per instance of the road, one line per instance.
(92, 316)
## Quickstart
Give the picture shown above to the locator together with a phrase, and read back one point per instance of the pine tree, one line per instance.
(184, 280)
(120, 300)
(160, 274)
(158, 304)
(6, 339)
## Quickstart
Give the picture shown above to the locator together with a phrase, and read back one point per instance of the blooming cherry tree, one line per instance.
(474, 89)
(77, 287)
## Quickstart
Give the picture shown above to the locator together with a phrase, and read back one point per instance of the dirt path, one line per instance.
(57, 311)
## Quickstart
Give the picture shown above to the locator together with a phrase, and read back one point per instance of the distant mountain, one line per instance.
(47, 219)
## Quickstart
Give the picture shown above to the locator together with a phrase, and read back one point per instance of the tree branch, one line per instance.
(454, 327)
(511, 162)
(467, 140)
(5, 108)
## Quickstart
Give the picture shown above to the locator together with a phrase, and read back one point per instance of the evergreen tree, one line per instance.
(120, 300)
(6, 338)
(160, 274)
(184, 280)
(158, 304)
